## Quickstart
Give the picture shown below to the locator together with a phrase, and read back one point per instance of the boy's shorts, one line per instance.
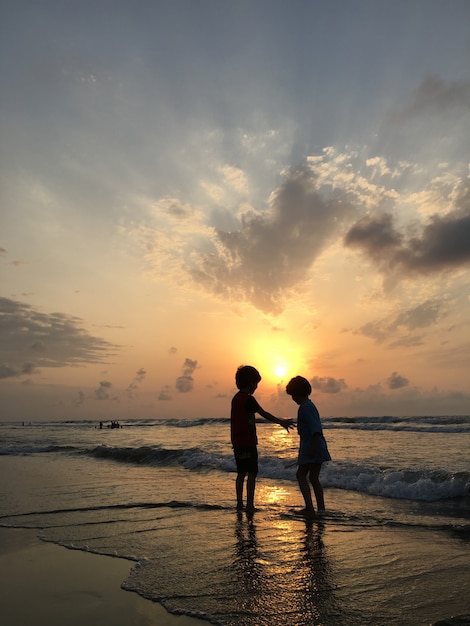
(246, 459)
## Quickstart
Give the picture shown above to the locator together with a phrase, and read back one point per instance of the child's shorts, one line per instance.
(246, 459)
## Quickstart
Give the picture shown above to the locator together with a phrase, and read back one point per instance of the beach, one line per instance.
(46, 585)
(139, 526)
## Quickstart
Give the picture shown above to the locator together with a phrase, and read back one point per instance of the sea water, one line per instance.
(393, 547)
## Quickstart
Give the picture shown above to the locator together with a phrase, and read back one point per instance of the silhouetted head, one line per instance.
(246, 375)
(299, 387)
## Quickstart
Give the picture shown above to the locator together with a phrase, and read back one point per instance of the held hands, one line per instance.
(287, 423)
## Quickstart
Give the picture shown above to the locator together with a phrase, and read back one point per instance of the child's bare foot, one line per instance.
(307, 512)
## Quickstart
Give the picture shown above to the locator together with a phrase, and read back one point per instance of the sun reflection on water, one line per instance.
(272, 494)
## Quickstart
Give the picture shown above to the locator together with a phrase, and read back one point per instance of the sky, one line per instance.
(193, 185)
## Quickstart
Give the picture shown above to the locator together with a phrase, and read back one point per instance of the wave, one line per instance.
(430, 424)
(171, 504)
(425, 423)
(412, 484)
(19, 449)
(176, 422)
(421, 484)
(192, 458)
(49, 519)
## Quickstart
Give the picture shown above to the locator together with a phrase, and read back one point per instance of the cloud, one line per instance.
(131, 391)
(399, 325)
(433, 95)
(420, 316)
(444, 244)
(30, 338)
(374, 235)
(441, 245)
(102, 393)
(80, 399)
(189, 366)
(140, 375)
(10, 372)
(185, 383)
(272, 251)
(132, 388)
(395, 381)
(165, 393)
(263, 254)
(328, 384)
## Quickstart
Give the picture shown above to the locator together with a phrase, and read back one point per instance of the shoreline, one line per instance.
(47, 584)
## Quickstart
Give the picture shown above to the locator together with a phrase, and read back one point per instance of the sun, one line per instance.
(280, 370)
(277, 358)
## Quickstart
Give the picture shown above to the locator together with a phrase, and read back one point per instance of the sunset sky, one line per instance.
(191, 185)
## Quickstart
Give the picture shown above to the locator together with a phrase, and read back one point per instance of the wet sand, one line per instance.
(47, 585)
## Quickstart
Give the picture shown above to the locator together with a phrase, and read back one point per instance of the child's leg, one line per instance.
(250, 491)
(239, 489)
(301, 475)
(317, 488)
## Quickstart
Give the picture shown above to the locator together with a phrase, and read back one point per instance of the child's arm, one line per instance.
(285, 423)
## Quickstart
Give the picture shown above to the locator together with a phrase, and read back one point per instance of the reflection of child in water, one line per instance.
(313, 450)
(243, 432)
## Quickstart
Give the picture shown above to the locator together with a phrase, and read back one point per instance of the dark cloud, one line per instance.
(11, 372)
(31, 339)
(395, 381)
(8, 372)
(175, 208)
(273, 251)
(443, 243)
(408, 341)
(132, 388)
(374, 235)
(102, 393)
(189, 366)
(328, 384)
(396, 328)
(140, 375)
(185, 383)
(38, 346)
(165, 393)
(434, 95)
(80, 399)
(420, 316)
(131, 391)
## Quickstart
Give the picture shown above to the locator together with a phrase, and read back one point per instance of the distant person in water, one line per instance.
(243, 433)
(313, 450)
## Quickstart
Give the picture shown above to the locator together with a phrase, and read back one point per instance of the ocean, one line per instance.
(392, 549)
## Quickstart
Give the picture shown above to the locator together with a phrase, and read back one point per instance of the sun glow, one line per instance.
(277, 358)
(280, 370)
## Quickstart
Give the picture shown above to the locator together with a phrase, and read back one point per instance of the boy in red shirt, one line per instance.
(243, 433)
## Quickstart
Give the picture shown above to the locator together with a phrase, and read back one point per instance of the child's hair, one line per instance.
(246, 375)
(298, 386)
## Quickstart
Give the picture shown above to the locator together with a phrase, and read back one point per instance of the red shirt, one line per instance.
(242, 420)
